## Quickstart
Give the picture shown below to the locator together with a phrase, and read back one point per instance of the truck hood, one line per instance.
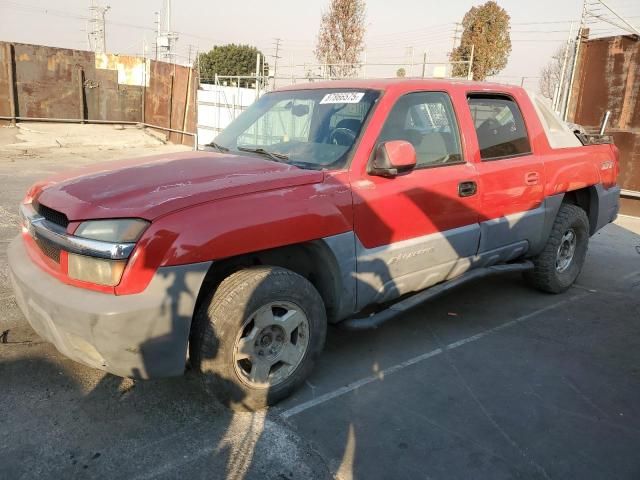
(150, 187)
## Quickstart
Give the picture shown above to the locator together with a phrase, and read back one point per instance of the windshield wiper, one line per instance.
(278, 157)
(217, 146)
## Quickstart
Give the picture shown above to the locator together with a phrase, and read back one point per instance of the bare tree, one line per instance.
(551, 73)
(341, 37)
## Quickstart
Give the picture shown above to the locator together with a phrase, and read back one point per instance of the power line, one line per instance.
(65, 14)
(431, 29)
(117, 23)
(592, 8)
(551, 22)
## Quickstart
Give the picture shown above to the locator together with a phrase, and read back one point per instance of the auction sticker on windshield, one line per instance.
(342, 97)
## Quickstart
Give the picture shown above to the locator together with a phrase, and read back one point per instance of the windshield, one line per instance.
(308, 128)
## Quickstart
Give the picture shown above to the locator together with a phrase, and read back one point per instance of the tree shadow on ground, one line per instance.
(63, 420)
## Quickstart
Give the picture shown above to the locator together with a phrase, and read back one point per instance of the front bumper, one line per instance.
(139, 336)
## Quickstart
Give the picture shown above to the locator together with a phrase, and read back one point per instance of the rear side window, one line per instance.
(426, 120)
(500, 127)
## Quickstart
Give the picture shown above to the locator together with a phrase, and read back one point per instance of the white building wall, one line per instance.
(218, 105)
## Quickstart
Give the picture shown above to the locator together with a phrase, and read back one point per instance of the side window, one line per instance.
(500, 127)
(426, 120)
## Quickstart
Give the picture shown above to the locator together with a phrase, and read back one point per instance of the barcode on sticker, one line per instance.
(342, 97)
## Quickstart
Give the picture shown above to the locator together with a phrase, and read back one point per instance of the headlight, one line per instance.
(99, 270)
(95, 270)
(127, 230)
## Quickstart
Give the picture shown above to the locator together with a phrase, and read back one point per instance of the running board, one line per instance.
(377, 319)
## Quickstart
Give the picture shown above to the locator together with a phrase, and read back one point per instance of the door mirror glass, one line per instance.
(393, 158)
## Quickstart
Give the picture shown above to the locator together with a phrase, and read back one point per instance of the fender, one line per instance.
(571, 169)
(602, 209)
(604, 203)
(551, 206)
(221, 229)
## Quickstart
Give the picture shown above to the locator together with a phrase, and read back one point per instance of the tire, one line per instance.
(552, 273)
(252, 314)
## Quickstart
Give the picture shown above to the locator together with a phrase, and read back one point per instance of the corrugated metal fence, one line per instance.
(56, 83)
(608, 79)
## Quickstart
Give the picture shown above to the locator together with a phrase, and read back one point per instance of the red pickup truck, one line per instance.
(343, 202)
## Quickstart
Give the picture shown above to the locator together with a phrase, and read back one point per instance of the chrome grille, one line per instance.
(51, 215)
(49, 249)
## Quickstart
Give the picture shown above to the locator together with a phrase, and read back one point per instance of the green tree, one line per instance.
(231, 59)
(401, 73)
(486, 27)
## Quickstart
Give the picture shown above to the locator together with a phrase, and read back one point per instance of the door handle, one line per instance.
(531, 178)
(467, 189)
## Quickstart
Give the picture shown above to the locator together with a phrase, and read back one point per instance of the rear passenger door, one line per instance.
(511, 178)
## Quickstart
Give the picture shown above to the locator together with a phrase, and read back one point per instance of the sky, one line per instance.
(397, 30)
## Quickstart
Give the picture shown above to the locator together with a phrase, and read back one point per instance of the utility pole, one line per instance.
(293, 69)
(409, 60)
(258, 74)
(189, 56)
(198, 66)
(157, 33)
(576, 54)
(364, 65)
(166, 39)
(470, 73)
(424, 64)
(97, 30)
(456, 31)
(275, 60)
(559, 99)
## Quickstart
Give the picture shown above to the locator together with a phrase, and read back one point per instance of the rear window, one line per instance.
(499, 126)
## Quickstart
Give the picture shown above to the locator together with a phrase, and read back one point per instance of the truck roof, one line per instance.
(401, 83)
(557, 131)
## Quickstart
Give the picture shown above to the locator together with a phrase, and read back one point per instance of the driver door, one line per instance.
(418, 228)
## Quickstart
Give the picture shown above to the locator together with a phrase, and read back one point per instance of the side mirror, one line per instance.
(393, 158)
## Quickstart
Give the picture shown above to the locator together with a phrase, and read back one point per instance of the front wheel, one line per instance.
(561, 261)
(257, 339)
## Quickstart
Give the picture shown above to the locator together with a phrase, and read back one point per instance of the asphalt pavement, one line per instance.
(494, 380)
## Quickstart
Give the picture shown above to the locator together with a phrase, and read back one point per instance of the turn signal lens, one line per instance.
(95, 270)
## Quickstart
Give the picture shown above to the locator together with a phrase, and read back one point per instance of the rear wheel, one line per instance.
(561, 261)
(257, 339)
